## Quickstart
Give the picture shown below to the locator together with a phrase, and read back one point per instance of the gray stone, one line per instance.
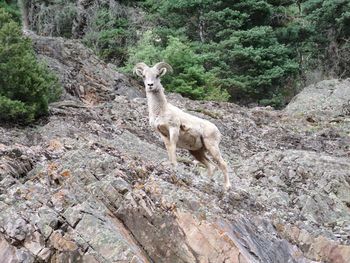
(82, 73)
(16, 229)
(89, 183)
(328, 98)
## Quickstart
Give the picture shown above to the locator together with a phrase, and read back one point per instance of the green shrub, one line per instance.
(108, 36)
(26, 86)
(330, 38)
(52, 18)
(189, 78)
(12, 9)
(237, 42)
(252, 66)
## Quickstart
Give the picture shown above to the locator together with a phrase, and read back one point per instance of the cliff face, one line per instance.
(87, 184)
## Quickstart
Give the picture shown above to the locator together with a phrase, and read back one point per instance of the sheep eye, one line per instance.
(143, 76)
(158, 76)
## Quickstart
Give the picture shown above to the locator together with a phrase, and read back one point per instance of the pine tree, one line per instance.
(330, 39)
(189, 78)
(239, 44)
(26, 86)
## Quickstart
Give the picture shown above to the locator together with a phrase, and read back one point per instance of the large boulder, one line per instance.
(328, 98)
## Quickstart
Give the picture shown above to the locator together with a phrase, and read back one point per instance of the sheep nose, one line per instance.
(150, 84)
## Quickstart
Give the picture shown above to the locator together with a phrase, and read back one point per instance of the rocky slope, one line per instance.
(88, 183)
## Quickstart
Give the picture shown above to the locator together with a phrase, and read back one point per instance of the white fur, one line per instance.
(178, 128)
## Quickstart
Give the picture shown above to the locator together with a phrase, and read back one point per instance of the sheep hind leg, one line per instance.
(213, 149)
(200, 156)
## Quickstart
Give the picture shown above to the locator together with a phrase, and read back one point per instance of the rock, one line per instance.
(16, 230)
(10, 253)
(320, 248)
(328, 98)
(16, 161)
(45, 254)
(62, 243)
(82, 73)
(90, 185)
(35, 244)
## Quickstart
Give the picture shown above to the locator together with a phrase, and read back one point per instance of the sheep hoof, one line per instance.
(211, 170)
(227, 186)
(195, 163)
(169, 164)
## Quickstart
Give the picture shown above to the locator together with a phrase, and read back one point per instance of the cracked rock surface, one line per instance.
(89, 184)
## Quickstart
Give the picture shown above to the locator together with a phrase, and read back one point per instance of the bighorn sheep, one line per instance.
(178, 128)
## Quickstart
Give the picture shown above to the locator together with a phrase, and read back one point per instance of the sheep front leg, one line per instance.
(166, 143)
(173, 138)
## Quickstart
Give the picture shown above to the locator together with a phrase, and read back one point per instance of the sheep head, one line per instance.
(151, 76)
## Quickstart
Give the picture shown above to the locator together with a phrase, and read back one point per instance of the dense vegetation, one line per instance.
(237, 44)
(12, 9)
(26, 87)
(252, 51)
(329, 43)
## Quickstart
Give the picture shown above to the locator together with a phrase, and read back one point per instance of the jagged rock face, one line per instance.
(328, 98)
(89, 185)
(82, 73)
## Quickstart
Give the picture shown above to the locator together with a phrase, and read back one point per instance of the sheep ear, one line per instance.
(139, 68)
(161, 65)
(138, 72)
(162, 72)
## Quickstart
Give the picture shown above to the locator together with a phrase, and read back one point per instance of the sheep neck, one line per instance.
(156, 103)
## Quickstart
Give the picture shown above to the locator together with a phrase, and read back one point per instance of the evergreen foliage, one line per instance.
(108, 35)
(26, 87)
(53, 17)
(330, 42)
(238, 43)
(189, 77)
(253, 66)
(10, 6)
(256, 51)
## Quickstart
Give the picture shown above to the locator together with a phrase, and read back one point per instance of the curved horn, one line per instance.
(161, 65)
(139, 67)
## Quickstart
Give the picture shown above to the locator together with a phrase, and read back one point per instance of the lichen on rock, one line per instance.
(89, 184)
